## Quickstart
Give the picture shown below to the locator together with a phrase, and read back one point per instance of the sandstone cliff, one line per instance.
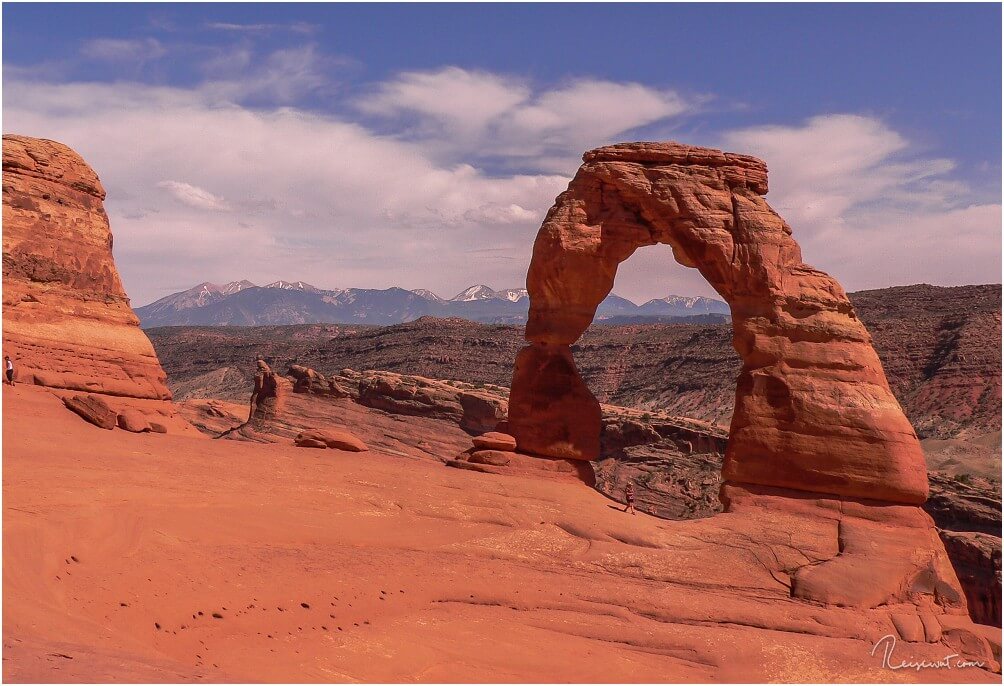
(67, 321)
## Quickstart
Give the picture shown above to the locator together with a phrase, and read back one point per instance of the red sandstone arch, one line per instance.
(813, 409)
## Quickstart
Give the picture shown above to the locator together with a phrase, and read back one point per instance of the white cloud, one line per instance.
(323, 199)
(213, 189)
(871, 211)
(193, 196)
(450, 98)
(461, 112)
(123, 50)
(282, 78)
(295, 27)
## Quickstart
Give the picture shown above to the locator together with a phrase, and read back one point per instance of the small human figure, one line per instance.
(9, 369)
(629, 496)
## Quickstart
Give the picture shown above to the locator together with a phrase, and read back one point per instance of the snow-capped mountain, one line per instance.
(482, 292)
(235, 287)
(678, 305)
(292, 286)
(426, 294)
(513, 294)
(479, 292)
(296, 302)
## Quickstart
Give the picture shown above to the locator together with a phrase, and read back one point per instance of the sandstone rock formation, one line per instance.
(307, 380)
(495, 452)
(67, 321)
(134, 421)
(816, 434)
(552, 412)
(268, 397)
(977, 560)
(813, 408)
(474, 411)
(495, 440)
(330, 438)
(93, 409)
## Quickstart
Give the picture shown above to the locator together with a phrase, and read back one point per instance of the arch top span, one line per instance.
(813, 410)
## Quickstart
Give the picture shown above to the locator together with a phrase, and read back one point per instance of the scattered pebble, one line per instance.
(217, 615)
(157, 625)
(305, 606)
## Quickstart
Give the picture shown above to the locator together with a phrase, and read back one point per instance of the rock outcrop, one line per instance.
(67, 321)
(813, 409)
(307, 380)
(816, 434)
(93, 409)
(330, 438)
(495, 440)
(495, 452)
(134, 421)
(977, 560)
(268, 397)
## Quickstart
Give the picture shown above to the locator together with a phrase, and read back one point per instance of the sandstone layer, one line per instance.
(814, 411)
(67, 321)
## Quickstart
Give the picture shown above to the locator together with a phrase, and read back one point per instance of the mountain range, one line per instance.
(242, 303)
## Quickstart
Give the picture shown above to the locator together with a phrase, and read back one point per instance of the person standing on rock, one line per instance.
(8, 369)
(629, 496)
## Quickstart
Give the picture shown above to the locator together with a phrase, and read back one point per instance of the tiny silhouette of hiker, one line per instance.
(9, 369)
(629, 496)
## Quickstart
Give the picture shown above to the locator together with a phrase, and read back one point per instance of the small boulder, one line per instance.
(93, 409)
(158, 428)
(134, 421)
(331, 438)
(495, 440)
(304, 442)
(497, 458)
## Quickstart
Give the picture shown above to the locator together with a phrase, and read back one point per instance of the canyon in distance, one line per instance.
(284, 483)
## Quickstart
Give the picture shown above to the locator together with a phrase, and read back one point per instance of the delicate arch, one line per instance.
(813, 409)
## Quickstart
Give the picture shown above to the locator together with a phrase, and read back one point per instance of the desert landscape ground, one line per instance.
(380, 525)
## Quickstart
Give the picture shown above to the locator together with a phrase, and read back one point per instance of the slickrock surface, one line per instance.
(67, 321)
(814, 411)
(235, 561)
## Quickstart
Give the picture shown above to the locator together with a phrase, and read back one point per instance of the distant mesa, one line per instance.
(242, 303)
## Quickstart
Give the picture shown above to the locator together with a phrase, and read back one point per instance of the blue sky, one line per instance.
(356, 145)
